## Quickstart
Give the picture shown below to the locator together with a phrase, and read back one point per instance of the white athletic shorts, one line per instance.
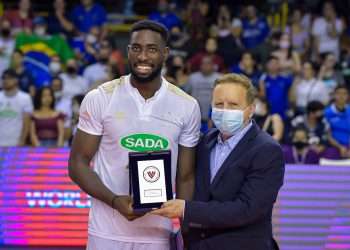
(97, 243)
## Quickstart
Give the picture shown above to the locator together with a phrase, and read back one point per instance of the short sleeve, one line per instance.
(27, 104)
(317, 27)
(190, 133)
(90, 115)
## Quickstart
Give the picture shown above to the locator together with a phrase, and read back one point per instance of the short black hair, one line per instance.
(9, 73)
(38, 95)
(314, 106)
(151, 25)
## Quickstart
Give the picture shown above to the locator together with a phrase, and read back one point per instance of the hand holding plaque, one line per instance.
(150, 179)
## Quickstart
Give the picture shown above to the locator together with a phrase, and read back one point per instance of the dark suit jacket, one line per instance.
(234, 211)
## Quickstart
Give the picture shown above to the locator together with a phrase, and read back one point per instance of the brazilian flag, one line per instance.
(38, 51)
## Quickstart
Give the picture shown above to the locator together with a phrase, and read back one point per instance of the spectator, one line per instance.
(197, 12)
(7, 45)
(247, 66)
(62, 105)
(326, 31)
(308, 88)
(164, 16)
(270, 123)
(25, 79)
(290, 61)
(87, 15)
(338, 116)
(117, 60)
(73, 83)
(46, 127)
(179, 42)
(39, 48)
(21, 18)
(300, 152)
(329, 75)
(97, 73)
(176, 71)
(300, 37)
(228, 46)
(318, 129)
(86, 46)
(211, 51)
(55, 66)
(255, 30)
(15, 109)
(58, 20)
(200, 85)
(275, 88)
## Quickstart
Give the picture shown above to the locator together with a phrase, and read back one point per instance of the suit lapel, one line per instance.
(242, 146)
(209, 143)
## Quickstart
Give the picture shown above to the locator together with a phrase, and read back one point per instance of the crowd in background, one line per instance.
(298, 60)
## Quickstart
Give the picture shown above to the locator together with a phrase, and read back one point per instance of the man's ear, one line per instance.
(166, 53)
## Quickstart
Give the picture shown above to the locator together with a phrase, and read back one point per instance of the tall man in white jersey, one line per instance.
(140, 111)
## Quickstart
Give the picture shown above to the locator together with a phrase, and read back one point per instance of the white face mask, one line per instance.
(55, 67)
(91, 39)
(228, 121)
(58, 95)
(284, 45)
(40, 31)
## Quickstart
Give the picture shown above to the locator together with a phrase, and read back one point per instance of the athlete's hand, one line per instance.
(123, 204)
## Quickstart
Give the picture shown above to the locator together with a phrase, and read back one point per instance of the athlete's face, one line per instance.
(146, 53)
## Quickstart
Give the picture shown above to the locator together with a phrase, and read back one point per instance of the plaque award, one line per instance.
(150, 179)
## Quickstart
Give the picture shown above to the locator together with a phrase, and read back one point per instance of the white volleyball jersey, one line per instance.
(127, 122)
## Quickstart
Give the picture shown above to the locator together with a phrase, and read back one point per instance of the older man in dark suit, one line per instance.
(240, 170)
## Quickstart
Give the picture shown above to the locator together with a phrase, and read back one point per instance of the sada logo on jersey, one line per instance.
(144, 142)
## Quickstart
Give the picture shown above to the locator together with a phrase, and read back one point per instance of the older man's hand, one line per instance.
(171, 209)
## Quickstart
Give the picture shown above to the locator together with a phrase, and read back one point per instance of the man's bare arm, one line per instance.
(185, 173)
(83, 150)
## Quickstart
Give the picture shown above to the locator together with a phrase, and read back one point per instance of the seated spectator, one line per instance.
(338, 117)
(270, 123)
(97, 73)
(15, 109)
(7, 45)
(176, 71)
(290, 61)
(46, 127)
(300, 37)
(326, 31)
(318, 130)
(58, 20)
(308, 88)
(73, 83)
(300, 152)
(247, 66)
(25, 79)
(21, 18)
(62, 105)
(39, 48)
(275, 88)
(328, 73)
(200, 85)
(211, 51)
(87, 15)
(164, 15)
